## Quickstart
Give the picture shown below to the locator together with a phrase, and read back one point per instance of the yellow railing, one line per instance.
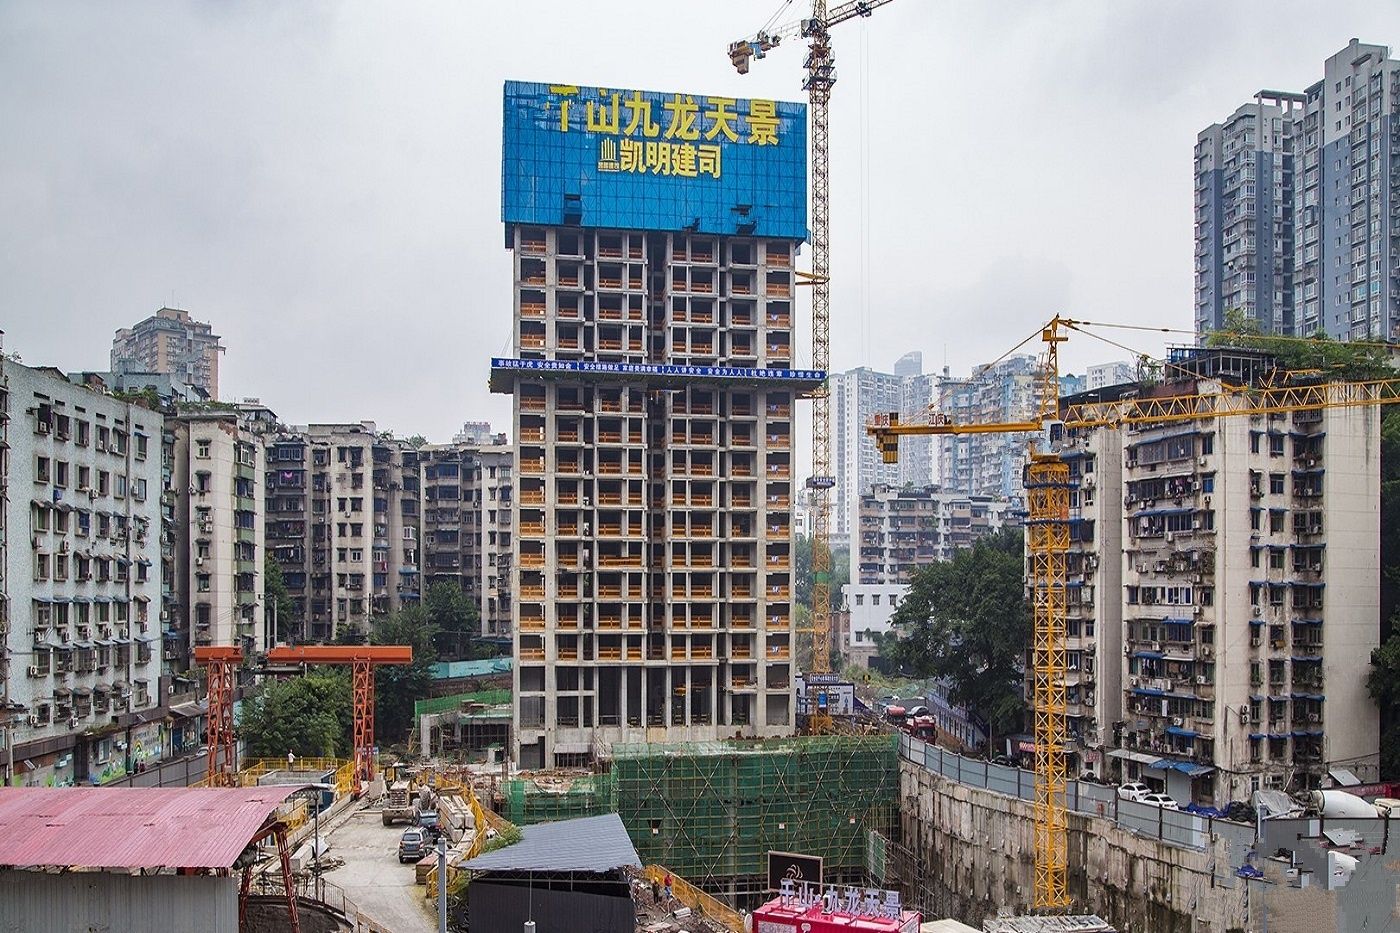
(697, 900)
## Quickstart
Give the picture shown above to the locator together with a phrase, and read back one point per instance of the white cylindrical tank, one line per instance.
(1338, 804)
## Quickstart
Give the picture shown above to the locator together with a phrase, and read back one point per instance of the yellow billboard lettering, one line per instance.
(659, 158)
(709, 161)
(763, 122)
(683, 112)
(721, 118)
(599, 120)
(563, 116)
(630, 157)
(640, 111)
(683, 160)
(607, 155)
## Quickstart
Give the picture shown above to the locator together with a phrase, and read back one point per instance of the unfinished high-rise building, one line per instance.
(654, 414)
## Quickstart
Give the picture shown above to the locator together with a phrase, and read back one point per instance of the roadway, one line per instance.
(372, 877)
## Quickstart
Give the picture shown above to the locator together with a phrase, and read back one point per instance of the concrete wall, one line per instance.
(971, 851)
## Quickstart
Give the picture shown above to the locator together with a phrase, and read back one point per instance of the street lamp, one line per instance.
(316, 835)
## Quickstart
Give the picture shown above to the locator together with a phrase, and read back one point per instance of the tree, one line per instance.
(308, 714)
(456, 619)
(966, 621)
(1383, 683)
(1318, 354)
(396, 687)
(278, 601)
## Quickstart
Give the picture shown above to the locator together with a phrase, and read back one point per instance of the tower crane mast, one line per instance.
(820, 65)
(1048, 484)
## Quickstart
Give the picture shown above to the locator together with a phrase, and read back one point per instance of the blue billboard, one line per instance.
(646, 160)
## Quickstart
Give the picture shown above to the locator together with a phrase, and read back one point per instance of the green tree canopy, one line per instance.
(456, 620)
(278, 601)
(1330, 359)
(966, 620)
(308, 714)
(397, 687)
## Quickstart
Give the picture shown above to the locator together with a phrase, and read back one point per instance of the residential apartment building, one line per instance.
(1296, 201)
(653, 549)
(221, 510)
(170, 341)
(343, 524)
(857, 397)
(1103, 375)
(904, 530)
(467, 540)
(1247, 598)
(988, 464)
(82, 480)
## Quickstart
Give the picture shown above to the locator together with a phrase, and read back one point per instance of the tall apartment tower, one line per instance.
(170, 341)
(856, 397)
(1296, 201)
(220, 504)
(1245, 602)
(1244, 217)
(82, 650)
(343, 524)
(467, 533)
(654, 414)
(988, 464)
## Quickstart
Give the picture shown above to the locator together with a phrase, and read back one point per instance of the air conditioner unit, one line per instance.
(33, 670)
(1171, 536)
(1254, 641)
(1176, 720)
(199, 562)
(1201, 679)
(1207, 651)
(1195, 524)
(1258, 611)
(1196, 578)
(63, 546)
(1207, 501)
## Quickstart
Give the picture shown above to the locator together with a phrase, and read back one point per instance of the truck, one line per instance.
(398, 808)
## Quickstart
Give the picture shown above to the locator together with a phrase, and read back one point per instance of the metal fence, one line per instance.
(182, 772)
(1173, 827)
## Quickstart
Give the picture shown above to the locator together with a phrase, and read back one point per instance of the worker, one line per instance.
(291, 759)
(666, 884)
(656, 892)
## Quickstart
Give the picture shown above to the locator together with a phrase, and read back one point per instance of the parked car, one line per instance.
(917, 711)
(1159, 800)
(1133, 791)
(413, 844)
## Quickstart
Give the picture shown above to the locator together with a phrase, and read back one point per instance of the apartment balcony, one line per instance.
(532, 466)
(532, 625)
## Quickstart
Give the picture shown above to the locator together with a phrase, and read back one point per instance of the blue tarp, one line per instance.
(1184, 733)
(1188, 768)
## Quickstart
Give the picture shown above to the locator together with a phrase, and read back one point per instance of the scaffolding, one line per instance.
(712, 811)
(542, 797)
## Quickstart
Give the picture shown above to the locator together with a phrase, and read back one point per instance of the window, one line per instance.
(202, 582)
(860, 600)
(40, 518)
(1276, 483)
(60, 567)
(1275, 560)
(1253, 519)
(1253, 443)
(201, 449)
(84, 477)
(141, 445)
(138, 490)
(1275, 445)
(119, 486)
(104, 482)
(1276, 522)
(874, 599)
(41, 470)
(60, 473)
(41, 566)
(84, 433)
(103, 437)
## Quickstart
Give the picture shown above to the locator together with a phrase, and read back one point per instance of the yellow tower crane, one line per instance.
(821, 76)
(1047, 483)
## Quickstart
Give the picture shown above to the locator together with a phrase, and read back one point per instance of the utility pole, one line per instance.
(7, 728)
(442, 883)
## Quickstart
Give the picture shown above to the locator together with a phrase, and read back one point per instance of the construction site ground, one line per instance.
(371, 875)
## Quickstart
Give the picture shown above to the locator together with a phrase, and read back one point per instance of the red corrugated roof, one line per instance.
(126, 828)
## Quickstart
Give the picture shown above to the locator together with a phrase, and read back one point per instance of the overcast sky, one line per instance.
(321, 181)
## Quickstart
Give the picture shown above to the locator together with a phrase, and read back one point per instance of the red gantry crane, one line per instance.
(362, 659)
(821, 76)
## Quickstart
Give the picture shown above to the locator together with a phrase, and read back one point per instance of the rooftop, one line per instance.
(131, 828)
(594, 844)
